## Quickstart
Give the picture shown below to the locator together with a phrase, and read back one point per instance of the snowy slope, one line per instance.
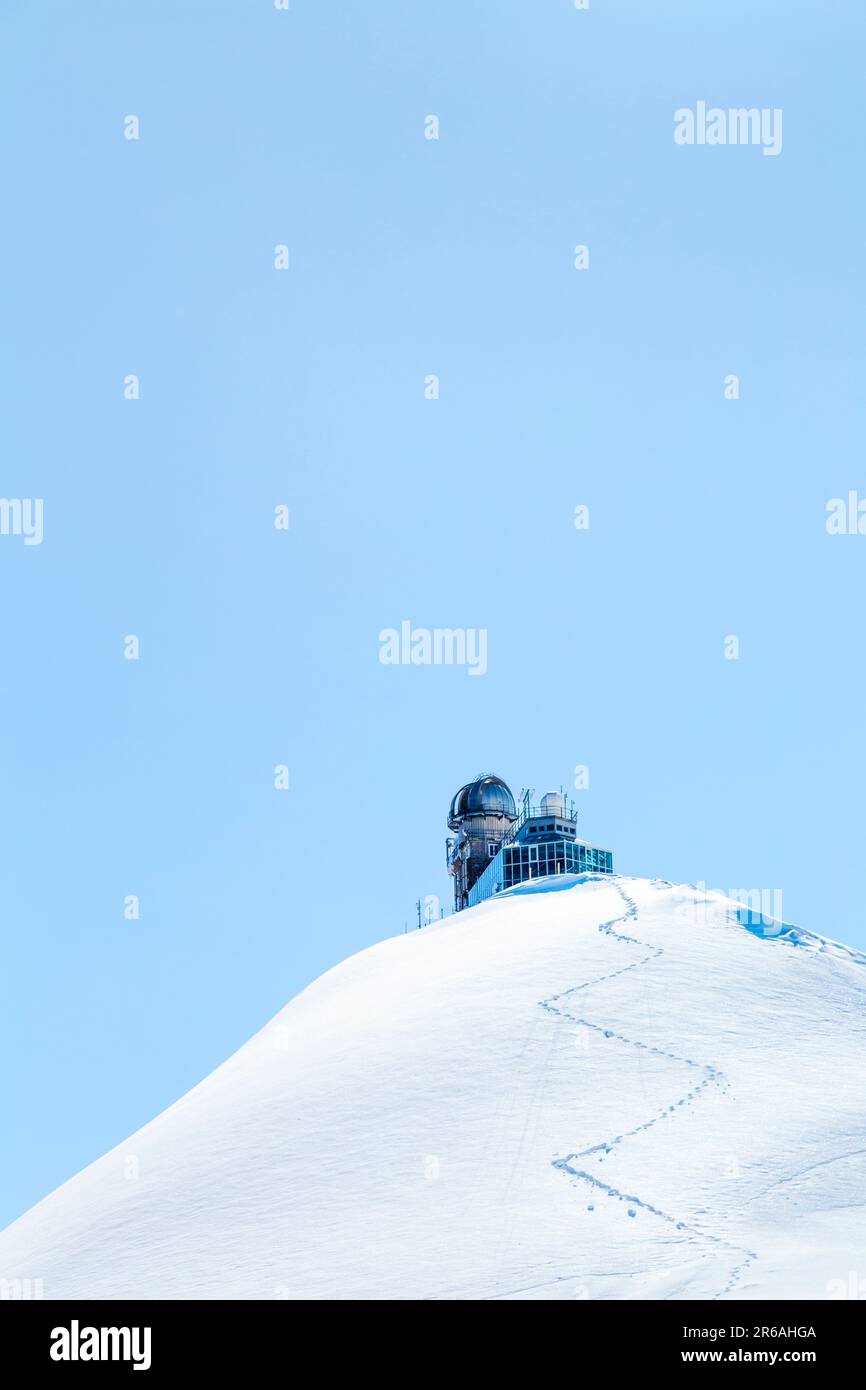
(612, 1090)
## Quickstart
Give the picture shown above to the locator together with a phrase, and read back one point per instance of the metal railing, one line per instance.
(528, 812)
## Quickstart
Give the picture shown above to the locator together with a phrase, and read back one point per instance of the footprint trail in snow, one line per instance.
(710, 1076)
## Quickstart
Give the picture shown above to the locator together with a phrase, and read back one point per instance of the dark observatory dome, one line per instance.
(486, 796)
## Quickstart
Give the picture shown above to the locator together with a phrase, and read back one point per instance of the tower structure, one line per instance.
(482, 815)
(495, 847)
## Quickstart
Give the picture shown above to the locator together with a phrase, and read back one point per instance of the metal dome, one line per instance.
(486, 796)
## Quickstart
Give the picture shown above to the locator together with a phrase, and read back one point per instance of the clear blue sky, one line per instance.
(306, 387)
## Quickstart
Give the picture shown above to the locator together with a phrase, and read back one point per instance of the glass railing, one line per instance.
(515, 864)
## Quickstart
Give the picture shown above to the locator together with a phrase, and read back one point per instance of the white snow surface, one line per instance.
(612, 1090)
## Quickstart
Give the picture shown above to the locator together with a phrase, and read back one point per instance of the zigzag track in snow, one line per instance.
(712, 1076)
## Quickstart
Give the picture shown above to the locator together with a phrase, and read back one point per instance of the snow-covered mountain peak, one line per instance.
(593, 1088)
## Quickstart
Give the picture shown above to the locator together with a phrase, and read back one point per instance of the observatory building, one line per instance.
(495, 847)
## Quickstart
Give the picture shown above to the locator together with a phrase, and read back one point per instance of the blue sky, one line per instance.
(306, 388)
